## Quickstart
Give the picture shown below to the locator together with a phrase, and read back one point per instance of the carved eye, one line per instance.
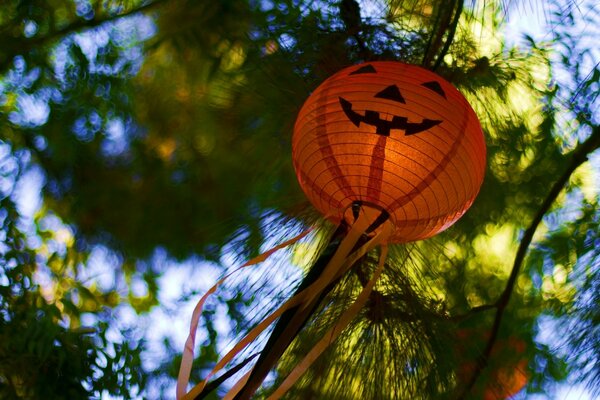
(435, 86)
(391, 93)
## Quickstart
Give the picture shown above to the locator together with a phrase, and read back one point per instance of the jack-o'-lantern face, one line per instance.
(394, 136)
(392, 93)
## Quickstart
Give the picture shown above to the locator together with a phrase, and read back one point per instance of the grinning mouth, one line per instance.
(385, 125)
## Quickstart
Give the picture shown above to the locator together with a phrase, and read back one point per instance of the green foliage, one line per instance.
(164, 128)
(40, 354)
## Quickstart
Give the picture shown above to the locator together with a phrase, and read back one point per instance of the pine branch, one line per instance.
(27, 45)
(580, 155)
(446, 25)
(450, 37)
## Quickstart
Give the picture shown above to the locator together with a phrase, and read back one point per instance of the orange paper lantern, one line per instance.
(394, 137)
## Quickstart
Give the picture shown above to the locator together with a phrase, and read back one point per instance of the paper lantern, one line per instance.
(394, 137)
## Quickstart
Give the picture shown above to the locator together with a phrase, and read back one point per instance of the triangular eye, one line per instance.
(436, 87)
(367, 69)
(391, 93)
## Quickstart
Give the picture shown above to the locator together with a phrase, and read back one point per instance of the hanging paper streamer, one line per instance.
(334, 332)
(370, 229)
(188, 352)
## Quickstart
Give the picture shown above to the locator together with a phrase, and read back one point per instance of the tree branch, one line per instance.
(446, 25)
(450, 37)
(580, 155)
(27, 45)
(473, 311)
(94, 22)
